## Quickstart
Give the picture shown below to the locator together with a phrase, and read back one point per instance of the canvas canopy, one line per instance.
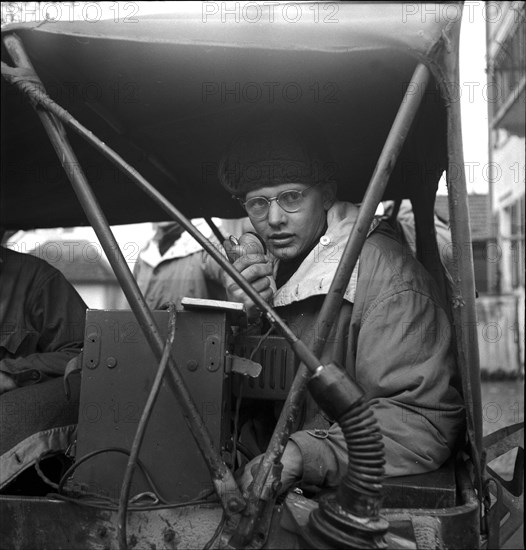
(168, 93)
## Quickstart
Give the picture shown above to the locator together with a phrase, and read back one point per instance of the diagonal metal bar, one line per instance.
(26, 83)
(222, 477)
(333, 300)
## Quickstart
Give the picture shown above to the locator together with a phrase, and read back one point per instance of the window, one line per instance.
(508, 65)
(516, 211)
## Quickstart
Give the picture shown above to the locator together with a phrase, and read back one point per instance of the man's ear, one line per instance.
(329, 194)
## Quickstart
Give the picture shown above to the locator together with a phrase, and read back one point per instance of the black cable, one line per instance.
(43, 476)
(215, 230)
(236, 424)
(113, 506)
(141, 430)
(87, 456)
(262, 339)
(217, 532)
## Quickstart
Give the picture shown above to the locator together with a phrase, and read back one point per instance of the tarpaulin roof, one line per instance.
(170, 92)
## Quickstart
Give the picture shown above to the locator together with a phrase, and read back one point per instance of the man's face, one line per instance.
(289, 235)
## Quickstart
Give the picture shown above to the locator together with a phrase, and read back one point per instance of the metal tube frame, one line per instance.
(222, 477)
(464, 312)
(331, 305)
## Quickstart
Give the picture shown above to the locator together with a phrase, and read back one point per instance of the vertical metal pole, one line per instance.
(464, 313)
(333, 301)
(493, 219)
(222, 477)
(375, 190)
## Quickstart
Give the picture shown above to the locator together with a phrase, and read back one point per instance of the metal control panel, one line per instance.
(117, 373)
(278, 367)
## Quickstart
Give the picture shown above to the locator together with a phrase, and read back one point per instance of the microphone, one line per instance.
(250, 243)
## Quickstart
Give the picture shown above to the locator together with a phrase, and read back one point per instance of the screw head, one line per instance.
(235, 505)
(111, 362)
(192, 365)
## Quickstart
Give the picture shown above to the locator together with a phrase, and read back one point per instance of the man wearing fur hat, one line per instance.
(392, 334)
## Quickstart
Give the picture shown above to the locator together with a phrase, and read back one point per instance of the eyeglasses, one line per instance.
(290, 201)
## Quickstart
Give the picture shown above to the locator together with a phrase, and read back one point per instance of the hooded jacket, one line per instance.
(393, 337)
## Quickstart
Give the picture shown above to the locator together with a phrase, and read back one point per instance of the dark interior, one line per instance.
(171, 110)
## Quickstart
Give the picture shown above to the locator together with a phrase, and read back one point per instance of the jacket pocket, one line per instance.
(13, 342)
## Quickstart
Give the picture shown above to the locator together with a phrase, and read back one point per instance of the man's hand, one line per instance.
(6, 383)
(291, 460)
(257, 270)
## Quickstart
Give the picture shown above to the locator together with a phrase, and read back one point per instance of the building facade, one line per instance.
(506, 59)
(84, 266)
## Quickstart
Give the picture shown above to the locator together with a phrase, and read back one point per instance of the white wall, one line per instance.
(94, 295)
(499, 333)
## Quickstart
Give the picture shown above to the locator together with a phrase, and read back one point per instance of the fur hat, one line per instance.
(272, 151)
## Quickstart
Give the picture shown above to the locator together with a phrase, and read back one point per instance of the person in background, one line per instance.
(406, 219)
(42, 321)
(173, 264)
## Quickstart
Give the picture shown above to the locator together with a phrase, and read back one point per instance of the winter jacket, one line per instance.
(42, 318)
(42, 321)
(393, 337)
